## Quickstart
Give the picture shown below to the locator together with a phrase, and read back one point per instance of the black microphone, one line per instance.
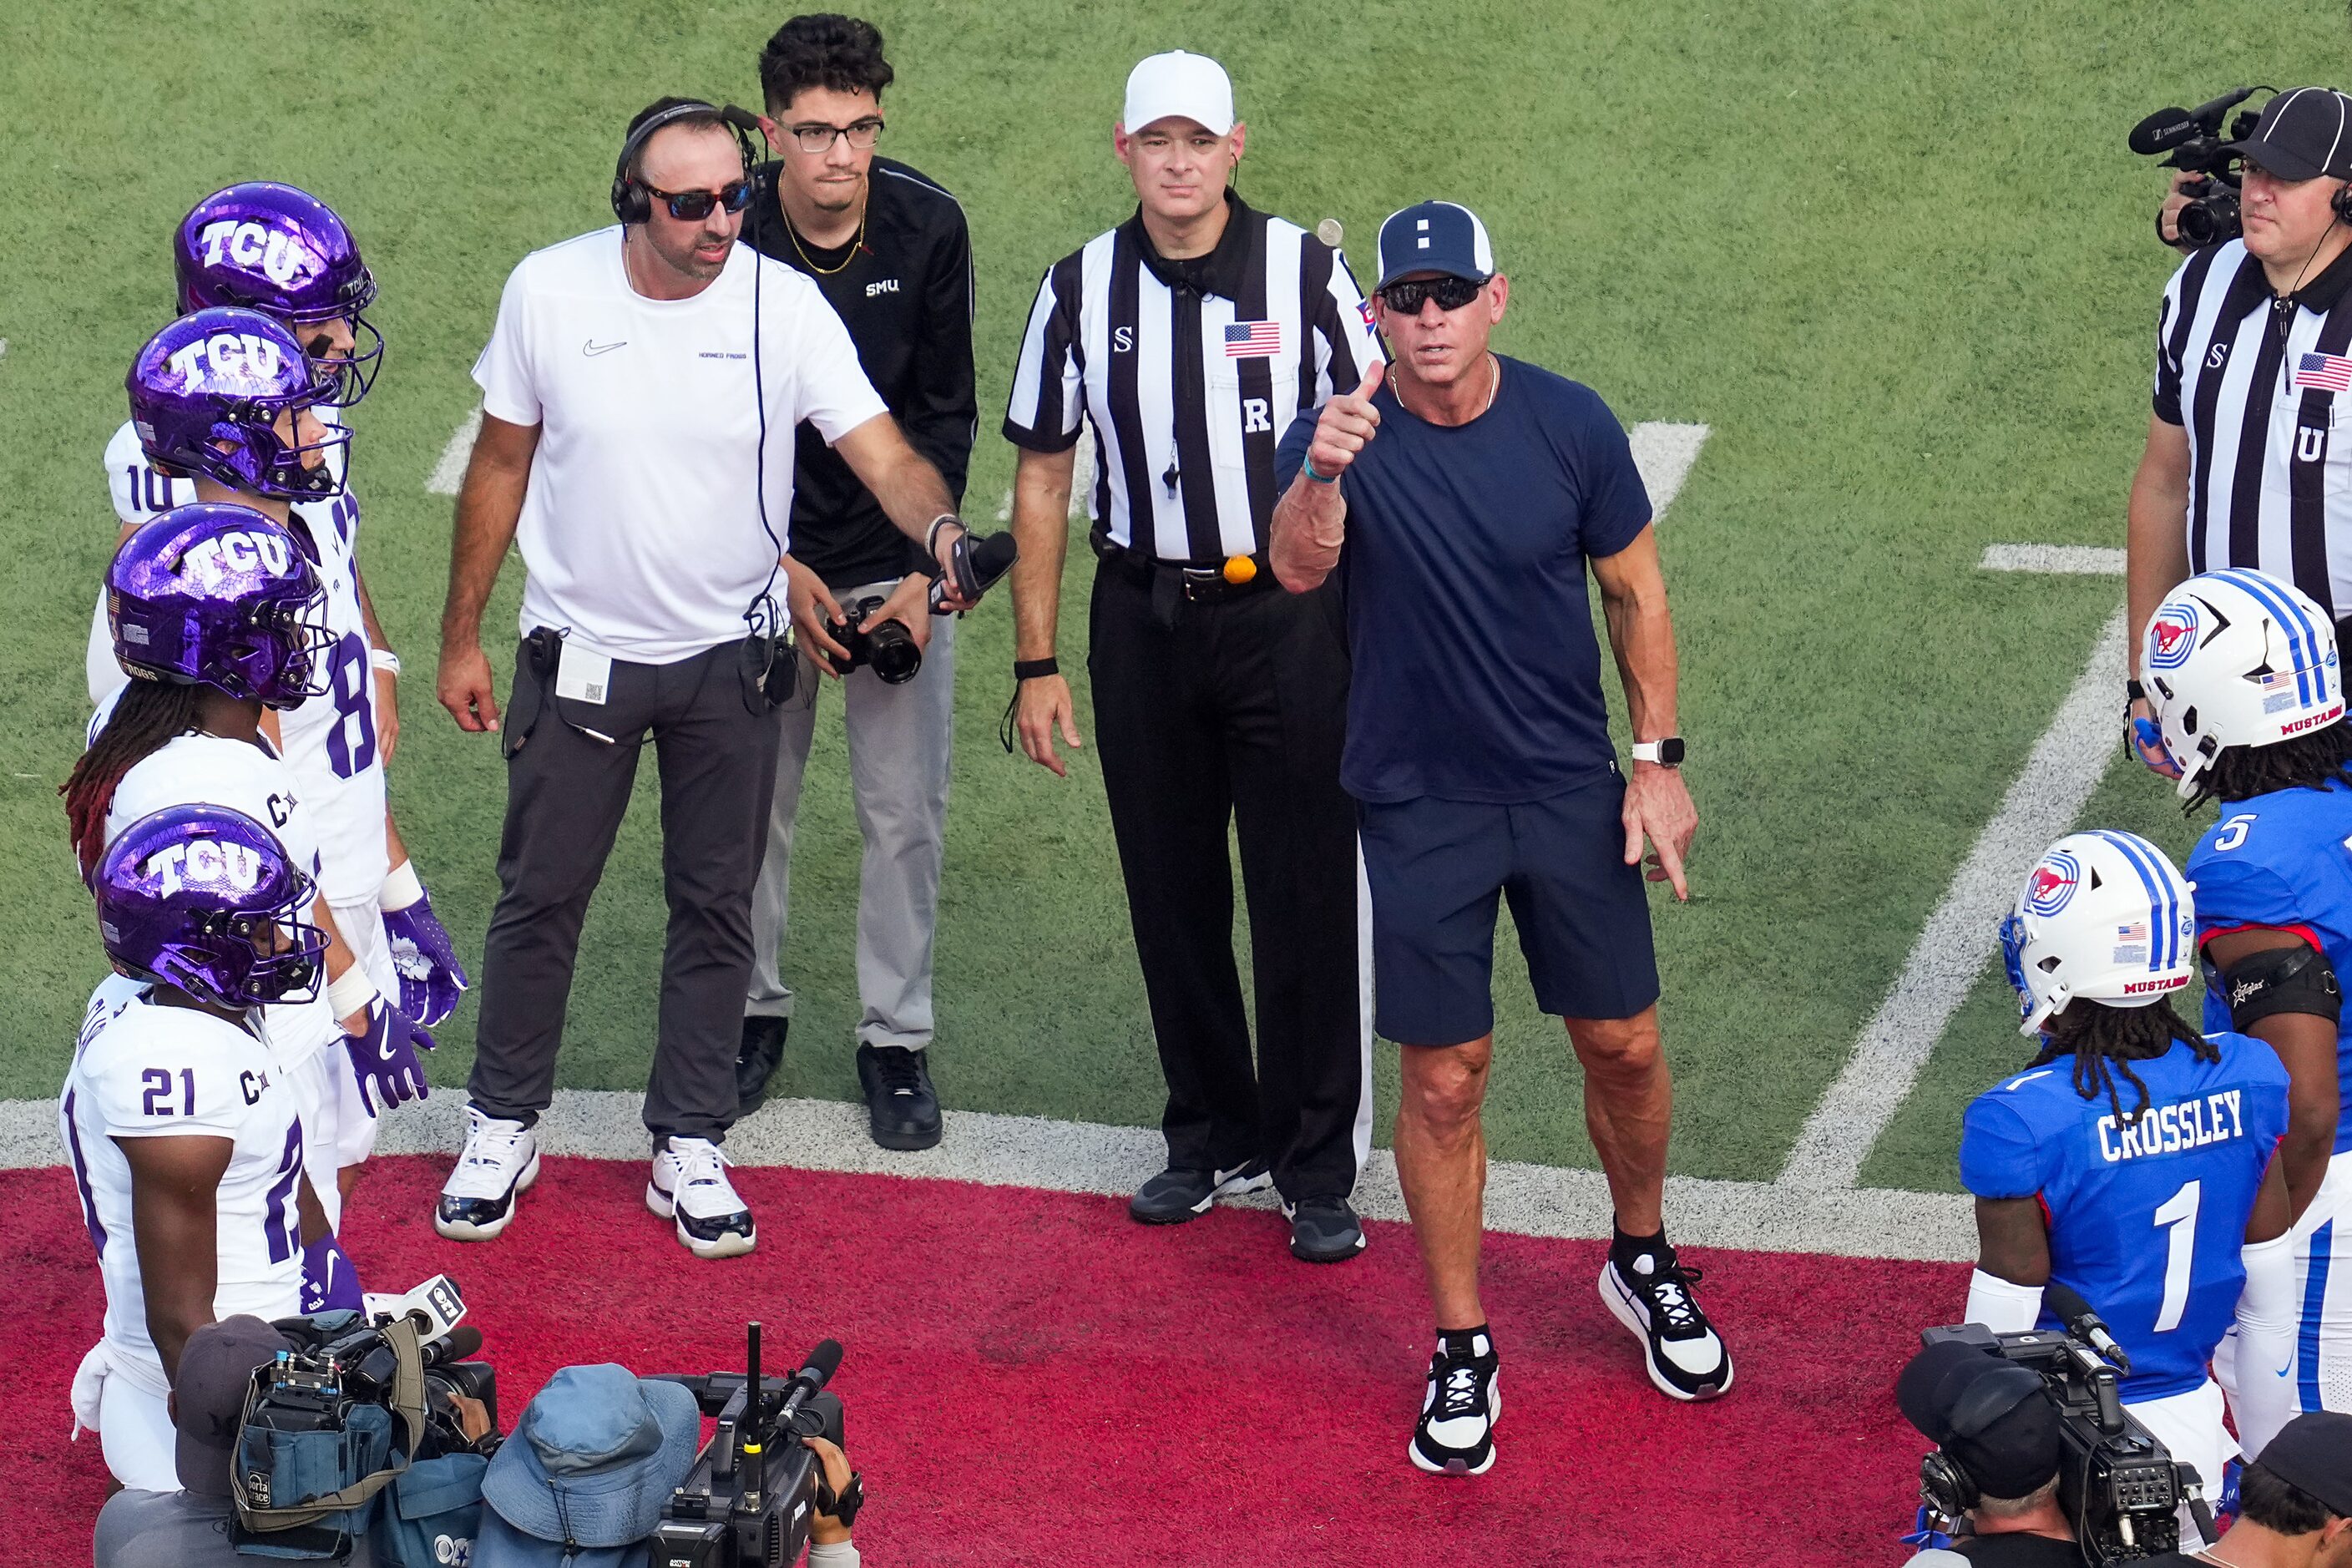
(455, 1345)
(2164, 129)
(822, 1362)
(2068, 1307)
(975, 563)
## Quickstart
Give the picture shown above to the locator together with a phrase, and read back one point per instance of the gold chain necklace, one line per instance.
(857, 243)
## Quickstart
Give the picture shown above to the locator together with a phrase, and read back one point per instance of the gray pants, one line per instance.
(566, 791)
(901, 742)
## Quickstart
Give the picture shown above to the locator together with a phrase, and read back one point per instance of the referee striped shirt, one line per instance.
(2258, 384)
(1189, 371)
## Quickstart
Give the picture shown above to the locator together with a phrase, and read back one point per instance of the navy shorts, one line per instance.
(1583, 915)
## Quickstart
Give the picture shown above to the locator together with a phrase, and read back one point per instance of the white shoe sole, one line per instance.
(463, 1230)
(1620, 1307)
(727, 1246)
(1461, 1466)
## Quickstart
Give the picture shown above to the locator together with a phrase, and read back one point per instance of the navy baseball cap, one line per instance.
(1434, 236)
(1991, 1416)
(2312, 1454)
(2304, 133)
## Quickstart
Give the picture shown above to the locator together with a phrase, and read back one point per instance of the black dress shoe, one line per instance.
(756, 1063)
(899, 1101)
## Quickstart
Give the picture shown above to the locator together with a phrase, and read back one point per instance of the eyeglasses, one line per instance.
(1450, 294)
(693, 206)
(815, 139)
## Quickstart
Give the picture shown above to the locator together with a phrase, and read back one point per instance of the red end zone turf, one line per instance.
(1032, 1378)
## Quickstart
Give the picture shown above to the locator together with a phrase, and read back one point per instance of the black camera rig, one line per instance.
(2193, 139)
(755, 1488)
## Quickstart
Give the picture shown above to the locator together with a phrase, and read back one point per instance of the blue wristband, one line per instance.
(1307, 464)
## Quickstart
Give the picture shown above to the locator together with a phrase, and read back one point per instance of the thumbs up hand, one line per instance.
(1349, 421)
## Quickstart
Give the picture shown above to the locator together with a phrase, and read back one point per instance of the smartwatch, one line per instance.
(1666, 753)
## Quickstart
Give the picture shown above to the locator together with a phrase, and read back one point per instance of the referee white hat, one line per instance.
(1177, 85)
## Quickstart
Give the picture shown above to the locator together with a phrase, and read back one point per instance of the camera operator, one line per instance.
(2294, 1504)
(2243, 465)
(1994, 1423)
(189, 1527)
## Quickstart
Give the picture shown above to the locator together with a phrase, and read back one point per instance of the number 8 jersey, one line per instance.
(143, 1069)
(2146, 1218)
(331, 745)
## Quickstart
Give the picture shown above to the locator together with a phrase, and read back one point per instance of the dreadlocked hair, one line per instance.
(2105, 1040)
(2315, 761)
(149, 713)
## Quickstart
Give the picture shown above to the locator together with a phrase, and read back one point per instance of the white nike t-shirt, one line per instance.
(640, 531)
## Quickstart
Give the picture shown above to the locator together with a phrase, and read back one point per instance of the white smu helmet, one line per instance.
(2103, 916)
(2237, 658)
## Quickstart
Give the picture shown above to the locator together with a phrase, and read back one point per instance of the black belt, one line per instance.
(1199, 584)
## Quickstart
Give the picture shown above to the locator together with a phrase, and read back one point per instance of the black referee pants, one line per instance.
(1233, 712)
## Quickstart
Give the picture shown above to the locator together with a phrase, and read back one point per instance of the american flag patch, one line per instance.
(1262, 340)
(2138, 932)
(2329, 373)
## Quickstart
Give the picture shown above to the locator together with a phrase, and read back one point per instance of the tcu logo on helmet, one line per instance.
(2053, 884)
(2171, 636)
(273, 251)
(227, 354)
(236, 552)
(206, 862)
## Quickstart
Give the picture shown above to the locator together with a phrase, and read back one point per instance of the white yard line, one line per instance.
(1664, 452)
(1083, 1157)
(2062, 770)
(2064, 560)
(450, 472)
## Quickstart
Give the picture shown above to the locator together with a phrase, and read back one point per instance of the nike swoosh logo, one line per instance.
(2287, 1368)
(592, 348)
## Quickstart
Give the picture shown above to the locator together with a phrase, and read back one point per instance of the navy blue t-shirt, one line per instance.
(1477, 673)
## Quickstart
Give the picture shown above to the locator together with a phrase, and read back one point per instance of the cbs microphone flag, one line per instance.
(2329, 373)
(1263, 340)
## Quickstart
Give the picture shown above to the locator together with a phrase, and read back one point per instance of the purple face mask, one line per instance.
(206, 898)
(205, 394)
(283, 252)
(218, 595)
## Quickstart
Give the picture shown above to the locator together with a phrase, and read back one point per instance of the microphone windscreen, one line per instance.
(822, 1362)
(2065, 1303)
(459, 1342)
(2161, 129)
(995, 556)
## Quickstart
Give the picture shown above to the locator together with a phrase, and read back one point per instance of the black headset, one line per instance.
(632, 201)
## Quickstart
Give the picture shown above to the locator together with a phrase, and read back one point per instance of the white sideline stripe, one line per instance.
(1664, 452)
(2042, 803)
(1083, 1157)
(449, 473)
(2065, 560)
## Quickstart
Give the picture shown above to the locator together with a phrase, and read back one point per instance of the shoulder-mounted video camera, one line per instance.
(2193, 138)
(2119, 1487)
(755, 1488)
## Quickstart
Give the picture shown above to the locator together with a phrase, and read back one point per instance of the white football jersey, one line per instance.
(331, 740)
(143, 1069)
(247, 776)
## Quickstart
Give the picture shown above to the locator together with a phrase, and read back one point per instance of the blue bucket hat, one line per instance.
(597, 1453)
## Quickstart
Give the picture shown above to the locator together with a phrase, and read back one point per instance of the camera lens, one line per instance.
(2210, 220)
(891, 650)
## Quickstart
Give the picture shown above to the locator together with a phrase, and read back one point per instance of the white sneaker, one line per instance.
(689, 1185)
(501, 1158)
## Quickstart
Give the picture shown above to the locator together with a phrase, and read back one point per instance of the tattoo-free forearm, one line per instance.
(1309, 526)
(1041, 527)
(489, 508)
(1642, 637)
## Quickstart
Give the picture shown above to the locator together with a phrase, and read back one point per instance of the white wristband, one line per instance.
(352, 991)
(384, 658)
(401, 888)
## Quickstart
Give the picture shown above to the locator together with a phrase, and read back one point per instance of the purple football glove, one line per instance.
(330, 1283)
(431, 978)
(383, 1057)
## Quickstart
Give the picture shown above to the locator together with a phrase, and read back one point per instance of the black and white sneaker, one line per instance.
(1456, 1434)
(1323, 1230)
(500, 1159)
(1653, 1299)
(689, 1186)
(1177, 1193)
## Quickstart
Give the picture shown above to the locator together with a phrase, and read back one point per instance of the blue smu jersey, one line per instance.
(2283, 859)
(2146, 1220)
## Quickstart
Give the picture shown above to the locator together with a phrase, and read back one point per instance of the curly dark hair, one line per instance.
(844, 53)
(2315, 761)
(2100, 1037)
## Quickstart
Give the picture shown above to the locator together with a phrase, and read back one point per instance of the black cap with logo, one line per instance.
(2304, 133)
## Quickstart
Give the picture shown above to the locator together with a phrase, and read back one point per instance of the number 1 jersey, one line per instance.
(2146, 1217)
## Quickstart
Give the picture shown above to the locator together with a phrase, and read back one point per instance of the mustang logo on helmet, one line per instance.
(2052, 885)
(2171, 636)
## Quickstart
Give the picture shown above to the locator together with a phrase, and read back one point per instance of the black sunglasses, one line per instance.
(1450, 294)
(693, 206)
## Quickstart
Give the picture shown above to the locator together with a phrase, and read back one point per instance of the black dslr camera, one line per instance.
(2119, 1487)
(887, 645)
(755, 1488)
(2193, 138)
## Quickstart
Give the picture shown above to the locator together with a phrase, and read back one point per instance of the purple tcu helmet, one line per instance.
(285, 253)
(213, 595)
(207, 899)
(207, 393)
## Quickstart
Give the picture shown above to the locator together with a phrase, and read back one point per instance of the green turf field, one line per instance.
(1894, 253)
